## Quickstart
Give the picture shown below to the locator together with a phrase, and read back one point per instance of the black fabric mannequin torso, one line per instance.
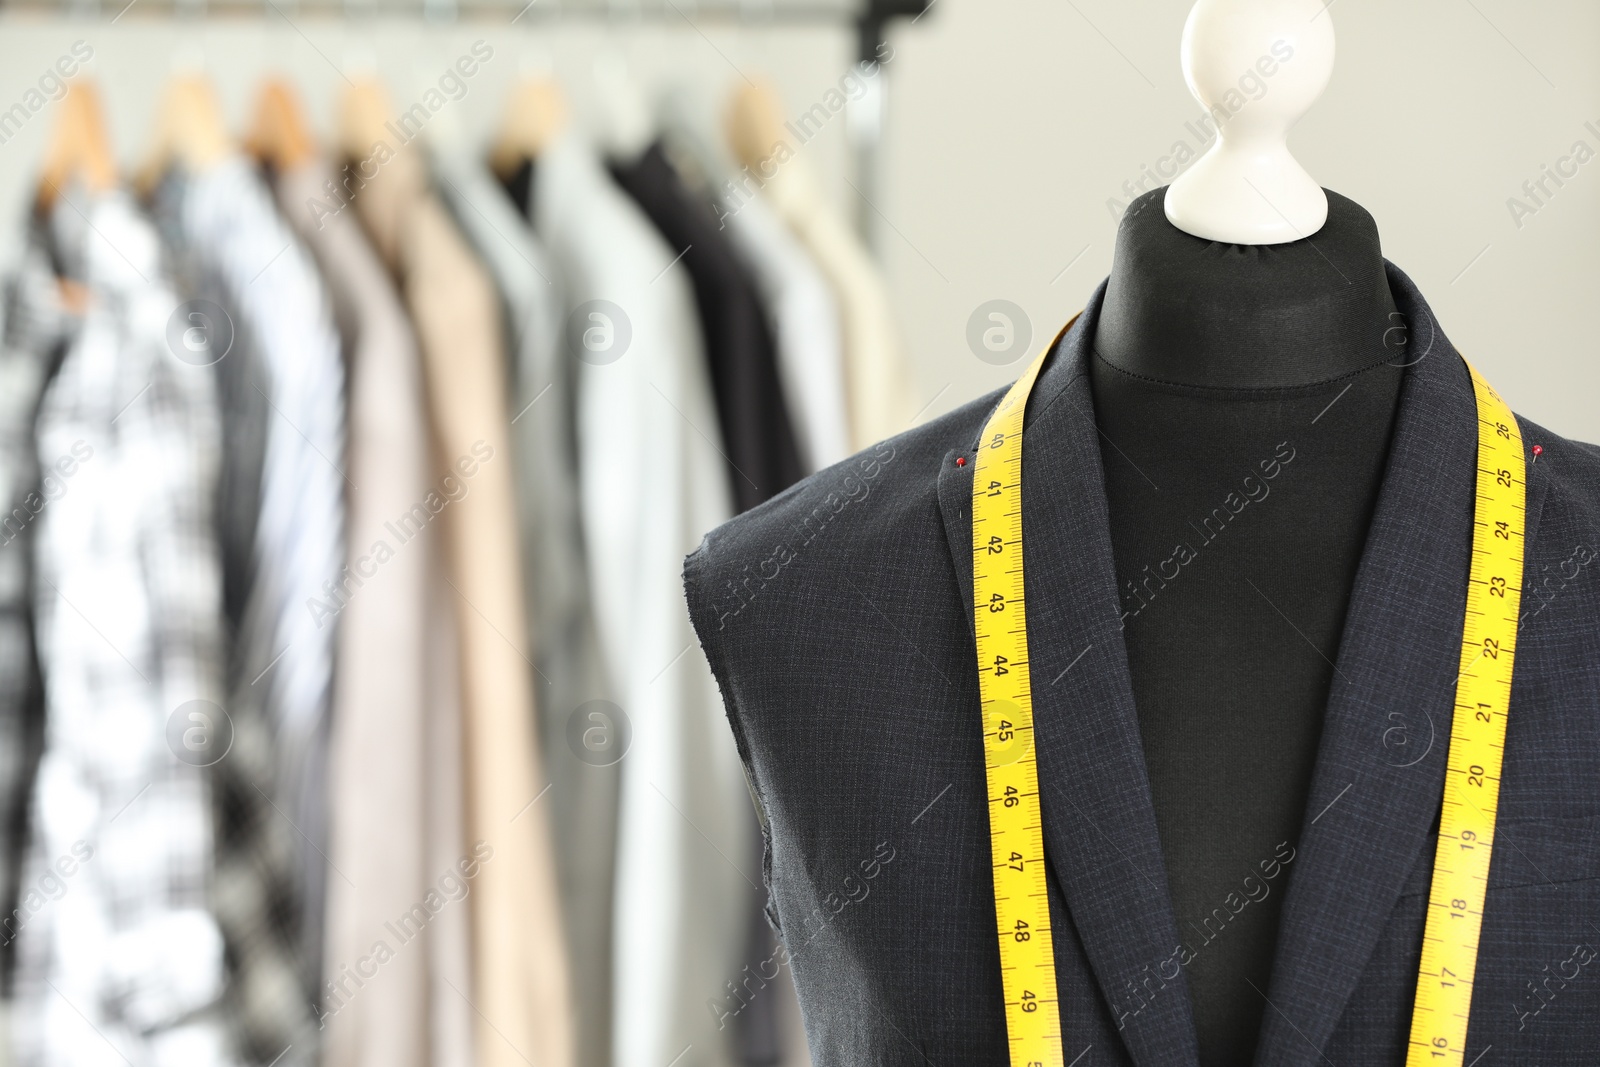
(1245, 396)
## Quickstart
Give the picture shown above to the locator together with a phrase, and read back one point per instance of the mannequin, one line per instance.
(1219, 349)
(1250, 497)
(1256, 67)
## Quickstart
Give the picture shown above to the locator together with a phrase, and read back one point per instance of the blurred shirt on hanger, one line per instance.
(128, 598)
(522, 994)
(762, 453)
(652, 481)
(270, 864)
(877, 372)
(806, 329)
(395, 822)
(566, 657)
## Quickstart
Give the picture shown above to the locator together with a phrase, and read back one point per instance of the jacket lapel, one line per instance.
(1380, 767)
(955, 507)
(1373, 799)
(1099, 825)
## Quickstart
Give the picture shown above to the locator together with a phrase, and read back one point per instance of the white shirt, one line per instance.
(271, 858)
(652, 481)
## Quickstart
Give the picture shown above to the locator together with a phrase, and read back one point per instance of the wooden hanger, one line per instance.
(536, 113)
(79, 149)
(369, 145)
(189, 131)
(363, 117)
(279, 135)
(755, 124)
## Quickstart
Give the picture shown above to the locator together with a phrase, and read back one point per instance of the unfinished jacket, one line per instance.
(838, 620)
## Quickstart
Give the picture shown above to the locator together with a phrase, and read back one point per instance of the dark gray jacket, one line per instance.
(836, 618)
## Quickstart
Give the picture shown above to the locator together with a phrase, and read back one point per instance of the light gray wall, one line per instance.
(1013, 122)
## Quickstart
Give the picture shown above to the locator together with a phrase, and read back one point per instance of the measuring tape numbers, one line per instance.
(1477, 741)
(1472, 784)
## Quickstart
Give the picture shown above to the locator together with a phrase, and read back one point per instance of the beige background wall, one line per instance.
(1011, 123)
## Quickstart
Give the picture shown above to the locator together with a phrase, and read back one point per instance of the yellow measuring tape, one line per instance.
(1472, 785)
(1477, 740)
(1016, 833)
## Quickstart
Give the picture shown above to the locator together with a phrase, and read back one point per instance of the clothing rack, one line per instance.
(870, 20)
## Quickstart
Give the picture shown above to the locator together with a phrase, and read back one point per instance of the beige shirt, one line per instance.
(584, 781)
(521, 992)
(382, 782)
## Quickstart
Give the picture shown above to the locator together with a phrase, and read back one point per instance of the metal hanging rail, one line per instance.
(869, 18)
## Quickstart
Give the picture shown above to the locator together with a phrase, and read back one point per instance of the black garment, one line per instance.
(1245, 395)
(1237, 522)
(838, 621)
(521, 186)
(1180, 308)
(756, 431)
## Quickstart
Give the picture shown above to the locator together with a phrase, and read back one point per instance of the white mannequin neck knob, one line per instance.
(1257, 66)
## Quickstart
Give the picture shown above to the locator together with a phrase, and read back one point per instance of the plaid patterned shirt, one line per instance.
(122, 961)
